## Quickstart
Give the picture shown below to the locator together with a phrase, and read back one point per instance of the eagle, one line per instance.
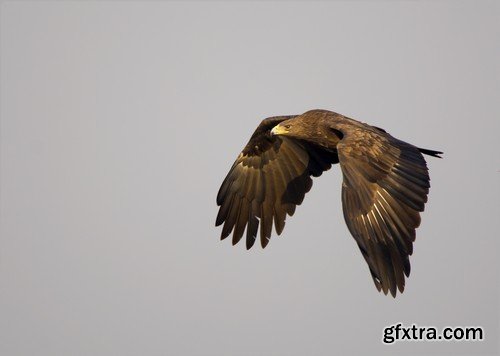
(384, 188)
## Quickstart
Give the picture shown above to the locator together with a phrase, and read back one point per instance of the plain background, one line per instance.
(119, 121)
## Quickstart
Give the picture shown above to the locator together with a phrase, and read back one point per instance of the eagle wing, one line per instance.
(266, 182)
(384, 189)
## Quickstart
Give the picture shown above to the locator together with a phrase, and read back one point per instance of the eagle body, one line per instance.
(384, 189)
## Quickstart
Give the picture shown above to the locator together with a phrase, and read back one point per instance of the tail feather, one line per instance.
(431, 152)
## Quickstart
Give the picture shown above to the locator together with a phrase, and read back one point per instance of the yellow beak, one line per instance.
(278, 130)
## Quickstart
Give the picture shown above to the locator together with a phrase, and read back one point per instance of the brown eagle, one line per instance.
(384, 189)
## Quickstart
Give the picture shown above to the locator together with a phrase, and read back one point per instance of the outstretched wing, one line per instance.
(384, 189)
(266, 182)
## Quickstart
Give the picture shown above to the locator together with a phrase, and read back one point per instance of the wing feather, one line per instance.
(267, 181)
(385, 188)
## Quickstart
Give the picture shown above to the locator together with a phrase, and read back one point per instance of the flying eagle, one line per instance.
(384, 189)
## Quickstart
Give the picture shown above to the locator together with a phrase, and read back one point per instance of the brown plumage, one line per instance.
(384, 189)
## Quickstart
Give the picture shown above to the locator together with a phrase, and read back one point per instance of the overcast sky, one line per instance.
(119, 121)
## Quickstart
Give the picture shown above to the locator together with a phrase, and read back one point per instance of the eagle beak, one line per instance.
(278, 130)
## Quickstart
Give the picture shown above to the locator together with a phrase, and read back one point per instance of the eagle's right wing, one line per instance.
(266, 182)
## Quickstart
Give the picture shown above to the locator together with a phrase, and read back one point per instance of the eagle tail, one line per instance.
(431, 152)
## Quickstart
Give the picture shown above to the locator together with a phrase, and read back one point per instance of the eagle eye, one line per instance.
(287, 126)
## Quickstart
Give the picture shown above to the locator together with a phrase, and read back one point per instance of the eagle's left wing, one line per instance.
(384, 189)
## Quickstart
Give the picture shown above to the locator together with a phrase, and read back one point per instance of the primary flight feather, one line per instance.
(384, 189)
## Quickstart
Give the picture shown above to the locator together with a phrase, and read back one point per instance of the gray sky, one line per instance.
(119, 121)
